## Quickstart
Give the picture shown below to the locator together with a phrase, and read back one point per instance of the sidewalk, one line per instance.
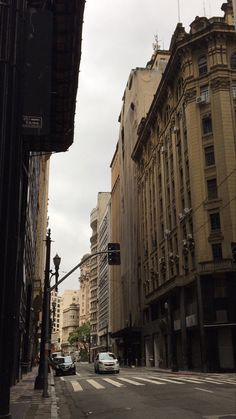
(27, 403)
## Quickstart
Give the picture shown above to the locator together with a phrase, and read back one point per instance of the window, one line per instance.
(217, 251)
(202, 65)
(204, 92)
(215, 221)
(207, 124)
(209, 156)
(212, 189)
(233, 61)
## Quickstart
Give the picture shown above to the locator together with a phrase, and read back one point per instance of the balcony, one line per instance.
(223, 265)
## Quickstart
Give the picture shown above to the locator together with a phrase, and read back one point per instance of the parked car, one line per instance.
(54, 357)
(65, 365)
(106, 362)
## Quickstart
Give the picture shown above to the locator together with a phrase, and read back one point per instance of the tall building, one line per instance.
(55, 316)
(84, 299)
(103, 294)
(186, 179)
(42, 122)
(137, 98)
(95, 220)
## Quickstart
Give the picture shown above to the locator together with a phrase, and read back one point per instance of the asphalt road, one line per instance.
(142, 393)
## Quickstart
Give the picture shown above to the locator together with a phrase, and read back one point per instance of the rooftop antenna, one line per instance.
(179, 11)
(204, 8)
(156, 45)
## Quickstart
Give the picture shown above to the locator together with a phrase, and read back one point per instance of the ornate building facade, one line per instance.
(186, 178)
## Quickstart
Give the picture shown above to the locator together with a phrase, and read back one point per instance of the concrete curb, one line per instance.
(54, 406)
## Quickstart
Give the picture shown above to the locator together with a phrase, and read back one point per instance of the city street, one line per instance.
(138, 393)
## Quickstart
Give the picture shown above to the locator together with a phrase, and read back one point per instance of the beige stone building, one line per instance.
(95, 219)
(55, 316)
(127, 322)
(186, 179)
(84, 299)
(69, 316)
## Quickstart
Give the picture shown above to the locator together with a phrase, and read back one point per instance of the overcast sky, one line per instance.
(117, 37)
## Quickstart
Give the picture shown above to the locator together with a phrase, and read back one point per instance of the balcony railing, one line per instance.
(217, 266)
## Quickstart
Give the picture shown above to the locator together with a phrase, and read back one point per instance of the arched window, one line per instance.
(202, 65)
(233, 61)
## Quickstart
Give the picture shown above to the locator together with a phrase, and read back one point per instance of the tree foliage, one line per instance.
(80, 335)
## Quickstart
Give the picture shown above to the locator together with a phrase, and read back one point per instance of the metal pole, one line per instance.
(47, 315)
(40, 379)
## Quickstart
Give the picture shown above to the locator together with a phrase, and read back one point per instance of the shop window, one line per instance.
(233, 61)
(207, 124)
(216, 251)
(202, 65)
(212, 189)
(215, 221)
(209, 156)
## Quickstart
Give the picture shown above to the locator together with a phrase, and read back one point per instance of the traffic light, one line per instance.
(113, 253)
(233, 247)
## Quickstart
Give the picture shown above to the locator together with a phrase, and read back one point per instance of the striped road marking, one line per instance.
(95, 384)
(147, 380)
(126, 380)
(168, 380)
(76, 386)
(114, 383)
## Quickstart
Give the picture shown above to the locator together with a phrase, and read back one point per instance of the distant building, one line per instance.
(55, 316)
(84, 300)
(69, 316)
(95, 219)
(125, 280)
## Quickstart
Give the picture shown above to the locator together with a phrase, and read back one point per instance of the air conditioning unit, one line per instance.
(161, 260)
(201, 99)
(187, 211)
(162, 149)
(189, 236)
(167, 232)
(181, 216)
(185, 243)
(175, 129)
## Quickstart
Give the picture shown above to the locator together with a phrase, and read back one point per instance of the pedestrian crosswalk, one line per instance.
(79, 383)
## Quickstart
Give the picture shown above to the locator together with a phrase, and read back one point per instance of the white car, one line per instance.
(106, 362)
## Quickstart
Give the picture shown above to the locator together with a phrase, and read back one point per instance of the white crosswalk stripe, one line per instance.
(76, 386)
(114, 383)
(168, 380)
(147, 380)
(126, 380)
(95, 384)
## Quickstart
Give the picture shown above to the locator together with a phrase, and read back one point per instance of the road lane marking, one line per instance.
(148, 381)
(203, 389)
(62, 379)
(114, 383)
(95, 384)
(76, 386)
(218, 381)
(79, 375)
(168, 380)
(126, 380)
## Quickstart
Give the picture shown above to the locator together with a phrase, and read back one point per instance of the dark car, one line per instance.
(65, 365)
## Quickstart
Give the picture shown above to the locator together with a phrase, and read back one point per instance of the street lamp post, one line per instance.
(41, 381)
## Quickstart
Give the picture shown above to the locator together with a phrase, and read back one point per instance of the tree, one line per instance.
(81, 336)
